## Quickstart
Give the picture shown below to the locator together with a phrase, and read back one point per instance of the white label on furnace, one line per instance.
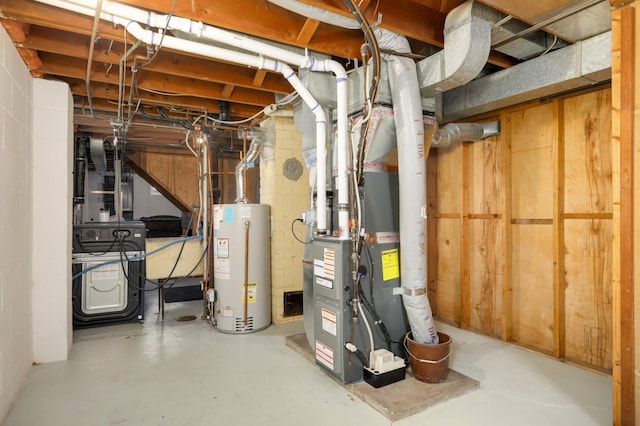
(329, 263)
(227, 311)
(318, 268)
(324, 282)
(329, 321)
(324, 354)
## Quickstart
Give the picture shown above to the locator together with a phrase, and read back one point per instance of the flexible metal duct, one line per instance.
(457, 132)
(252, 154)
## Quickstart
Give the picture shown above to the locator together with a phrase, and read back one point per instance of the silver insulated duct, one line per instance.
(407, 108)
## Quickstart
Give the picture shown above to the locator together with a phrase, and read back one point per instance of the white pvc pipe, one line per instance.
(304, 61)
(126, 15)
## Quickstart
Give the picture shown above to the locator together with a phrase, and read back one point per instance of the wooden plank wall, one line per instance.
(523, 230)
(175, 176)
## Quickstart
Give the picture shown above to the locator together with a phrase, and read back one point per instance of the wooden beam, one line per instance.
(432, 230)
(155, 82)
(591, 216)
(166, 61)
(559, 323)
(625, 51)
(504, 142)
(521, 221)
(308, 30)
(273, 23)
(18, 33)
(620, 3)
(16, 30)
(413, 19)
(32, 12)
(227, 90)
(465, 244)
(110, 92)
(484, 216)
(259, 77)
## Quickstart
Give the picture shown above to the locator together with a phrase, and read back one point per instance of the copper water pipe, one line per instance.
(247, 225)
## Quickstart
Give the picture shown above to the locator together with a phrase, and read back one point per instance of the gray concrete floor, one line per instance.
(187, 373)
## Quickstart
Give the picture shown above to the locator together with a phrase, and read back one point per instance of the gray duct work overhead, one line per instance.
(579, 65)
(467, 43)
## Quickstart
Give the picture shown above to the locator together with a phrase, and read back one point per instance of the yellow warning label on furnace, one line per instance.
(252, 291)
(390, 264)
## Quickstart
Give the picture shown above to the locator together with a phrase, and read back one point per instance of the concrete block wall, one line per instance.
(15, 222)
(287, 199)
(52, 216)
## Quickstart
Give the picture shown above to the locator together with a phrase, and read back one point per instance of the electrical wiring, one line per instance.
(294, 233)
(137, 257)
(157, 283)
(372, 45)
(166, 27)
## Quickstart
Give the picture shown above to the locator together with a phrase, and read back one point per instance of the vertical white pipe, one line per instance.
(343, 147)
(204, 185)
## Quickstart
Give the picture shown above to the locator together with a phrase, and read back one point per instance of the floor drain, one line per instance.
(186, 318)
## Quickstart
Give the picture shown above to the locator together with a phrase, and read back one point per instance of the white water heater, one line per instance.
(241, 264)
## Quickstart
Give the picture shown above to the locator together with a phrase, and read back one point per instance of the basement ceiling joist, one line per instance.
(55, 44)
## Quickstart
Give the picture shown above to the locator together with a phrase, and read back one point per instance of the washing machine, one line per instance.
(108, 270)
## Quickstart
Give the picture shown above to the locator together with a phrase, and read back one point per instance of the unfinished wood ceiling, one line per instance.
(57, 44)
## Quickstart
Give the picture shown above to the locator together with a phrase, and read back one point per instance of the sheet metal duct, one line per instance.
(582, 64)
(467, 43)
(97, 154)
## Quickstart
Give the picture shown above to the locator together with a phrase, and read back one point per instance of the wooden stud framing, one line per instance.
(507, 268)
(465, 273)
(558, 231)
(623, 99)
(432, 231)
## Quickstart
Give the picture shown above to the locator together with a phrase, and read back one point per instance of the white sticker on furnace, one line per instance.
(329, 263)
(329, 321)
(324, 282)
(324, 354)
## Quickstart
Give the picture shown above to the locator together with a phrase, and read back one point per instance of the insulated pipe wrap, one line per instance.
(407, 109)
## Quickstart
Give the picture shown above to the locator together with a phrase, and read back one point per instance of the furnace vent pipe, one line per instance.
(463, 132)
(254, 152)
